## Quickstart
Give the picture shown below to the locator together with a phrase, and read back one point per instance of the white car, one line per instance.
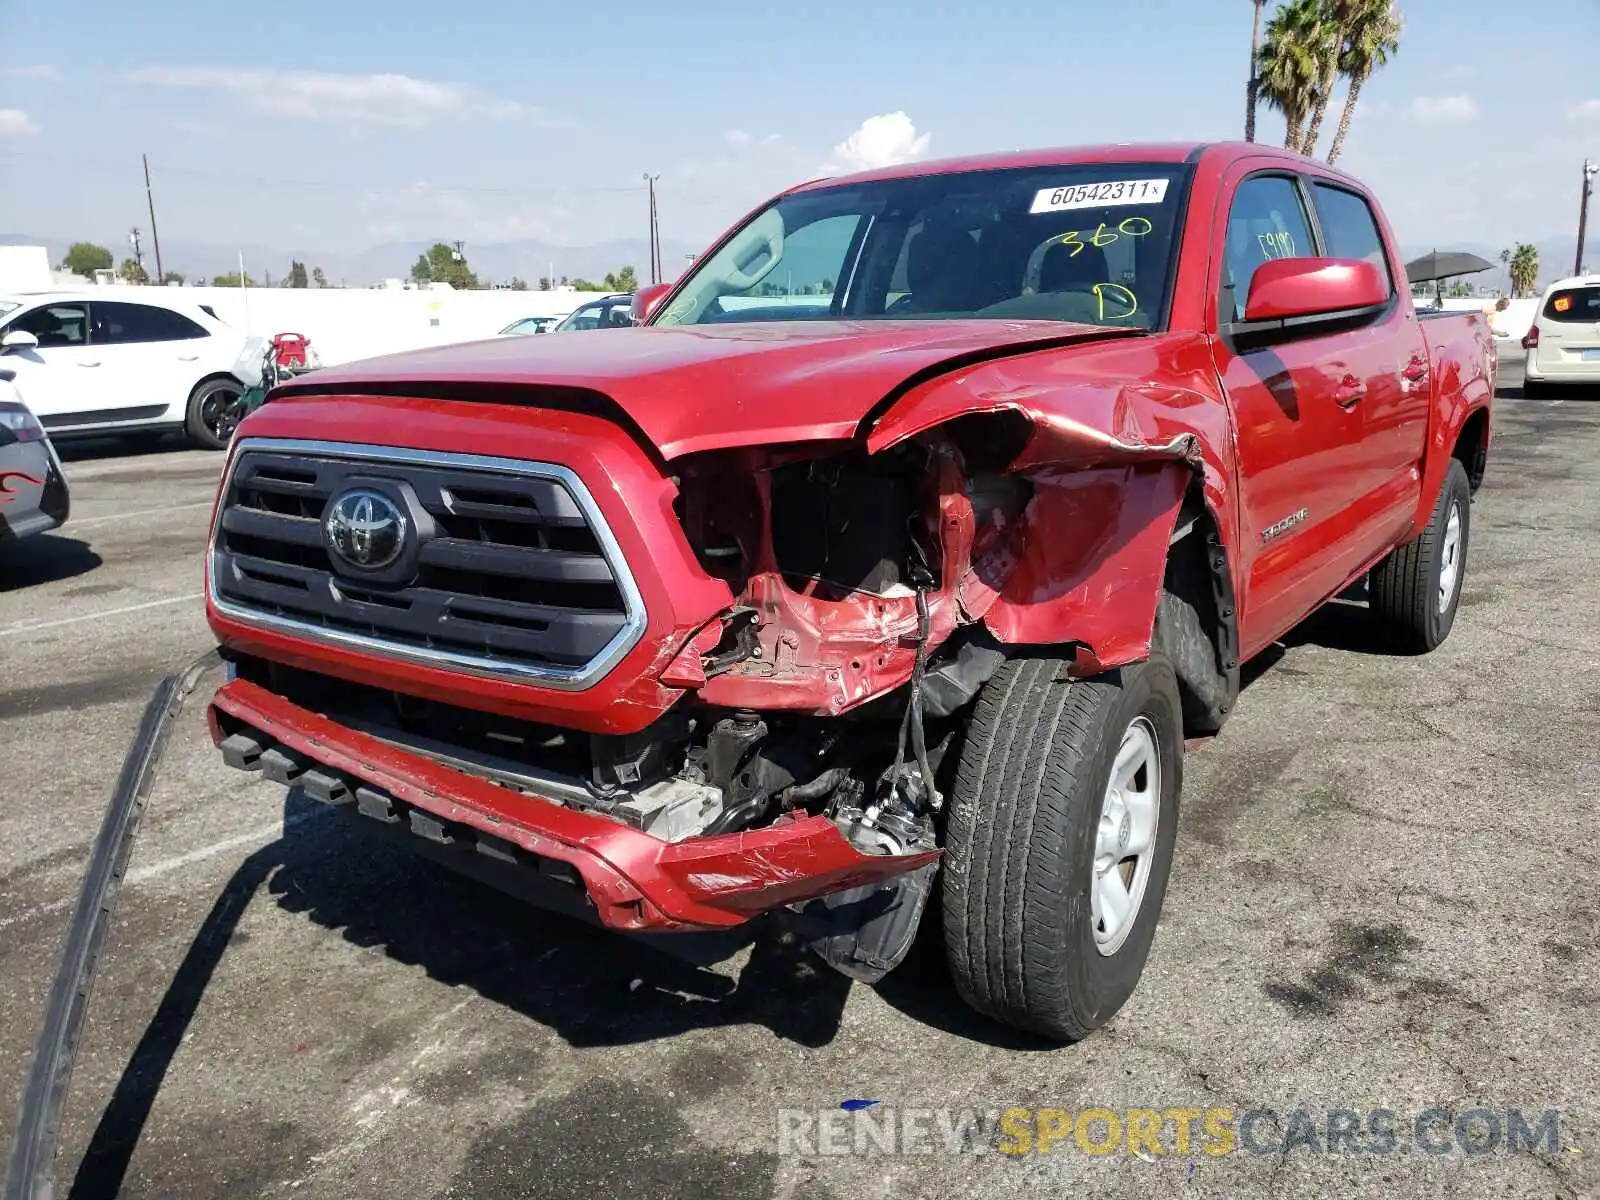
(123, 360)
(1564, 343)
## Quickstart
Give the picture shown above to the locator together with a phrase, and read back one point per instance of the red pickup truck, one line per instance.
(904, 546)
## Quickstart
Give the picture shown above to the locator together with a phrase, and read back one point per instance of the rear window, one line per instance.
(120, 323)
(1349, 229)
(1577, 305)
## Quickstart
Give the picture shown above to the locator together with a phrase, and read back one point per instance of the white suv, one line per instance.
(123, 360)
(1564, 343)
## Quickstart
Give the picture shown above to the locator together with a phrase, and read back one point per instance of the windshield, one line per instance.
(1077, 243)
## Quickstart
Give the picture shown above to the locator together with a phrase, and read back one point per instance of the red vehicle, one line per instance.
(906, 545)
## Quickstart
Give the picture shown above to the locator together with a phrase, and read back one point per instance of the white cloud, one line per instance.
(881, 141)
(1589, 110)
(385, 99)
(48, 74)
(15, 123)
(1444, 110)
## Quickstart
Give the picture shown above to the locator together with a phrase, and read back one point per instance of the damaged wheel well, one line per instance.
(1195, 626)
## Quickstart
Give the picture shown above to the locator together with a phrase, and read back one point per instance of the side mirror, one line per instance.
(647, 299)
(18, 339)
(1308, 287)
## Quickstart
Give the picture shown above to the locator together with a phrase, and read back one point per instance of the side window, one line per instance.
(1348, 228)
(1267, 221)
(120, 323)
(55, 325)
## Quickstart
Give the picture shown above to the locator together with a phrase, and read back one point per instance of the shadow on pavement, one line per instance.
(592, 988)
(44, 558)
(89, 449)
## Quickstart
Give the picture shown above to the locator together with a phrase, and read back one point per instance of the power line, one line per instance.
(327, 185)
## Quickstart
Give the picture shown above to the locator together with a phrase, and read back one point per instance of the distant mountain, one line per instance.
(498, 262)
(529, 259)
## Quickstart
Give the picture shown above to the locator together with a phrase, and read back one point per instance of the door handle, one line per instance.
(1416, 370)
(188, 357)
(1351, 392)
(96, 363)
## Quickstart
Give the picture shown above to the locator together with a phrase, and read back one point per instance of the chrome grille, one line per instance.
(510, 568)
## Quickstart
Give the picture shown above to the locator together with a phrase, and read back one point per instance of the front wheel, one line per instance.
(215, 409)
(1062, 820)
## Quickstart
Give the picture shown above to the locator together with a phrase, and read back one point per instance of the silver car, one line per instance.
(33, 488)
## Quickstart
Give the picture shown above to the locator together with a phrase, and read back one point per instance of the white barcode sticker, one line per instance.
(1100, 195)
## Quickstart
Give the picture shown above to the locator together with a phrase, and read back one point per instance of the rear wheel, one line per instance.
(1059, 844)
(215, 409)
(1416, 590)
(1535, 389)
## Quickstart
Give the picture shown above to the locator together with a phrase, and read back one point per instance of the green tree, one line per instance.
(318, 278)
(584, 285)
(1523, 264)
(440, 265)
(518, 284)
(85, 258)
(623, 281)
(177, 277)
(1335, 18)
(296, 278)
(544, 283)
(133, 272)
(231, 279)
(1371, 36)
(1299, 41)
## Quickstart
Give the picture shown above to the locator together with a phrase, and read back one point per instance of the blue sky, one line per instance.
(492, 120)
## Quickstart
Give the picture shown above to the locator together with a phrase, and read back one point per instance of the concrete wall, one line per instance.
(1509, 325)
(350, 323)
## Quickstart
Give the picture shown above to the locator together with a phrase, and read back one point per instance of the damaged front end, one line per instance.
(797, 756)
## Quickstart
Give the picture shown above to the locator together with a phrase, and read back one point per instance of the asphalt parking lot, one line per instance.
(1386, 895)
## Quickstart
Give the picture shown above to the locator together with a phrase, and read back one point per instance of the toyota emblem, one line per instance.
(365, 528)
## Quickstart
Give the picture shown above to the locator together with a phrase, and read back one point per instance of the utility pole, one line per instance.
(1589, 170)
(151, 200)
(655, 253)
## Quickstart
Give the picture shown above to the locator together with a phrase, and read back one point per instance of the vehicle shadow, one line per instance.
(592, 988)
(44, 558)
(90, 449)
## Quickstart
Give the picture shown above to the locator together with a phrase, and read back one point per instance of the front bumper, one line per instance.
(633, 881)
(33, 490)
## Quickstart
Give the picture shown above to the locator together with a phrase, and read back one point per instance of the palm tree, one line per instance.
(1253, 88)
(1292, 56)
(1336, 15)
(1524, 269)
(1372, 35)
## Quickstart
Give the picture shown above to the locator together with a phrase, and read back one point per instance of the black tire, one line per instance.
(1404, 589)
(1535, 389)
(1024, 816)
(214, 411)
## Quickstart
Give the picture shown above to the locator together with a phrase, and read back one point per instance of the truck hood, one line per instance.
(692, 388)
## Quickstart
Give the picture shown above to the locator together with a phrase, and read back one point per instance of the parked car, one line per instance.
(612, 312)
(1563, 344)
(908, 543)
(33, 488)
(123, 360)
(529, 325)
